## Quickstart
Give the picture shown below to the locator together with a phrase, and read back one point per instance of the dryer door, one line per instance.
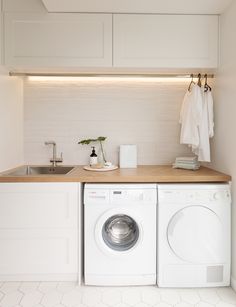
(194, 234)
(120, 232)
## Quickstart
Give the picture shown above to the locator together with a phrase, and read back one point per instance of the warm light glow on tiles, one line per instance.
(107, 79)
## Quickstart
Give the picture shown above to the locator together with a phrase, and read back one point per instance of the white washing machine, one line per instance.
(193, 235)
(120, 234)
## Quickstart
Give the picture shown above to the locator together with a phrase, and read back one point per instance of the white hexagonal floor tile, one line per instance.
(52, 298)
(1, 296)
(142, 305)
(132, 296)
(68, 294)
(189, 296)
(27, 287)
(227, 295)
(170, 296)
(31, 299)
(122, 305)
(151, 295)
(65, 287)
(209, 295)
(100, 305)
(224, 304)
(203, 304)
(47, 286)
(184, 304)
(8, 287)
(72, 298)
(111, 297)
(162, 304)
(11, 299)
(91, 296)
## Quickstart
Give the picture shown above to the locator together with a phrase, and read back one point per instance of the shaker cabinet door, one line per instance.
(38, 254)
(165, 41)
(40, 235)
(58, 40)
(38, 205)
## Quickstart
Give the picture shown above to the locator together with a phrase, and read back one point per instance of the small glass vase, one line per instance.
(101, 154)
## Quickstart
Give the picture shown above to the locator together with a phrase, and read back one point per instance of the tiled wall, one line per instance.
(145, 113)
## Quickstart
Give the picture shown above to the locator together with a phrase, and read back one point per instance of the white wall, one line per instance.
(224, 145)
(134, 112)
(11, 122)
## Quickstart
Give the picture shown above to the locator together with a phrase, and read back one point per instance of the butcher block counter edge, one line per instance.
(143, 173)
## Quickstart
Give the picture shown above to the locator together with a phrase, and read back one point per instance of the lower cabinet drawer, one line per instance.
(39, 205)
(38, 254)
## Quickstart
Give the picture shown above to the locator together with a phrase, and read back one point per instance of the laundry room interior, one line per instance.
(117, 153)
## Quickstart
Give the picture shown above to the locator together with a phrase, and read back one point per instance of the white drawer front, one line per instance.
(38, 252)
(36, 205)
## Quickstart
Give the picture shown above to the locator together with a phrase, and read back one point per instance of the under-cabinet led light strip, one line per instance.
(108, 77)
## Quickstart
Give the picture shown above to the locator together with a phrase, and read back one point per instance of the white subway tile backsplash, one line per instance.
(142, 113)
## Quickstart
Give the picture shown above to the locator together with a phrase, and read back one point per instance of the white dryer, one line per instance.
(120, 234)
(193, 235)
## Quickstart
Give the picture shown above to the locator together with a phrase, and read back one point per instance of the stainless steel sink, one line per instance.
(40, 170)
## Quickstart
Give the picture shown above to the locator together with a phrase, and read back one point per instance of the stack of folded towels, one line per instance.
(187, 163)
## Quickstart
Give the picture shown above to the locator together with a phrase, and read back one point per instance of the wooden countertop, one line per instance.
(147, 173)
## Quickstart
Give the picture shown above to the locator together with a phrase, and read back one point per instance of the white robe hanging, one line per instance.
(197, 122)
(190, 117)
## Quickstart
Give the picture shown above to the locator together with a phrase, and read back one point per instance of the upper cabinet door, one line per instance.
(166, 41)
(58, 40)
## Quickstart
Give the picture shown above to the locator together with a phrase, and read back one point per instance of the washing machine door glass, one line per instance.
(195, 235)
(120, 232)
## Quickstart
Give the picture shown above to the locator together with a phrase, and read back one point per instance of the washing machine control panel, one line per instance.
(96, 196)
(133, 196)
(117, 196)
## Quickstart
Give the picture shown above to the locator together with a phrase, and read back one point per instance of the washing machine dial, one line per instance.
(217, 196)
(191, 196)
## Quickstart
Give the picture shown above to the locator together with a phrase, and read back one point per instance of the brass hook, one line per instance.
(192, 82)
(199, 83)
(206, 86)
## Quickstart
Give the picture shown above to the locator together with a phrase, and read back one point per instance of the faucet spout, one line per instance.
(50, 143)
(54, 159)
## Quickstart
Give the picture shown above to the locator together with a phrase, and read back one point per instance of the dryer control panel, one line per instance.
(196, 194)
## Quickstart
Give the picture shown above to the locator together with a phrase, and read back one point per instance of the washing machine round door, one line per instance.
(194, 234)
(120, 232)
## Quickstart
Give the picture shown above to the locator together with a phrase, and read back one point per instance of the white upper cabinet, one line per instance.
(134, 6)
(165, 41)
(58, 40)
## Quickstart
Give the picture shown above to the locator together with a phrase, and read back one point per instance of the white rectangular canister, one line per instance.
(128, 156)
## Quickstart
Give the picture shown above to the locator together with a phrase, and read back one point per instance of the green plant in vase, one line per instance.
(100, 139)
